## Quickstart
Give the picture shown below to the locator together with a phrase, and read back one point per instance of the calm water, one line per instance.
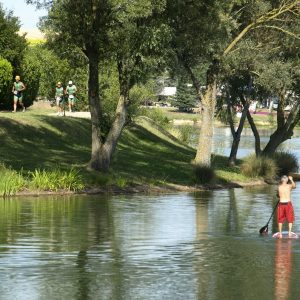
(183, 246)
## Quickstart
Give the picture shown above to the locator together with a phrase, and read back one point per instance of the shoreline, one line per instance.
(143, 189)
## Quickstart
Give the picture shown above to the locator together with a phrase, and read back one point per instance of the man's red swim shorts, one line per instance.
(285, 211)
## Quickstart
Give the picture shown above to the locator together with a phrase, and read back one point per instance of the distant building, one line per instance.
(166, 95)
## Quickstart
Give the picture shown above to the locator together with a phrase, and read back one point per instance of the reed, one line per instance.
(11, 181)
(54, 180)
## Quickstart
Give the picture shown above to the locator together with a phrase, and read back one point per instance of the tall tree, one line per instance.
(12, 45)
(217, 27)
(123, 31)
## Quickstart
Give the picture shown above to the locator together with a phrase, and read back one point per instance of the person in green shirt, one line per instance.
(59, 94)
(18, 88)
(71, 91)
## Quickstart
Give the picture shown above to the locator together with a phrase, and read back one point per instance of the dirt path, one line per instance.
(75, 114)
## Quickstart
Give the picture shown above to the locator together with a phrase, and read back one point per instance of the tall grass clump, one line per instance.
(11, 181)
(55, 180)
(203, 174)
(286, 162)
(185, 133)
(260, 166)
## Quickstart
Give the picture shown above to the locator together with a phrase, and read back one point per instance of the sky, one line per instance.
(27, 14)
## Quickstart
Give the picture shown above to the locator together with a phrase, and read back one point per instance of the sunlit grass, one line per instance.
(55, 180)
(11, 181)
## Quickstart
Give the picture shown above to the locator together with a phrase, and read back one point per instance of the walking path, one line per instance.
(76, 114)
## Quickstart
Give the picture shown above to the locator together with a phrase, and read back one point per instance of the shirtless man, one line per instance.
(285, 210)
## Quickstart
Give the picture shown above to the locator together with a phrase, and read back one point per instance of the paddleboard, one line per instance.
(285, 235)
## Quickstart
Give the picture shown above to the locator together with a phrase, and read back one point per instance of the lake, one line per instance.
(174, 246)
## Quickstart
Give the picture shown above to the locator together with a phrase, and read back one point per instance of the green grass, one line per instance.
(55, 180)
(11, 181)
(34, 141)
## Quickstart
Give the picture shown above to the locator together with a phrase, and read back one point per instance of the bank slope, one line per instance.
(146, 154)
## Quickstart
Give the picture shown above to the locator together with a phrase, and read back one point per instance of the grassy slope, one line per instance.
(146, 154)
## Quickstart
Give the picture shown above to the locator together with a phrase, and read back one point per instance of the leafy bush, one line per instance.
(156, 115)
(286, 162)
(260, 166)
(55, 180)
(11, 181)
(203, 174)
(6, 74)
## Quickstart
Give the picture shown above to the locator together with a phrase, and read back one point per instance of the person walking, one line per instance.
(59, 94)
(285, 210)
(17, 90)
(71, 91)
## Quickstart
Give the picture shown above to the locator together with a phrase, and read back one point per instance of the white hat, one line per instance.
(70, 82)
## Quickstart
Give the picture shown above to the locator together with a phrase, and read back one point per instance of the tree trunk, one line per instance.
(253, 128)
(237, 137)
(114, 134)
(103, 148)
(204, 150)
(106, 150)
(284, 132)
(95, 109)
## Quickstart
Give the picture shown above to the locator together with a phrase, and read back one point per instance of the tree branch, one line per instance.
(280, 29)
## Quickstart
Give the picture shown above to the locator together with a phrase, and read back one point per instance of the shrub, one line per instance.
(286, 162)
(6, 72)
(156, 115)
(260, 166)
(203, 174)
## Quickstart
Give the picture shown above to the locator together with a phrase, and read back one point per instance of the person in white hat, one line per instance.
(71, 91)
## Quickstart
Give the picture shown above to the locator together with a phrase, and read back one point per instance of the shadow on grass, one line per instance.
(143, 155)
(47, 142)
(57, 142)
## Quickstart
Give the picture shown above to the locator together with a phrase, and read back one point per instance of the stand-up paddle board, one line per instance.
(285, 235)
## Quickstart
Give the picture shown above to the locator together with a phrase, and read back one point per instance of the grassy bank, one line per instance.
(42, 148)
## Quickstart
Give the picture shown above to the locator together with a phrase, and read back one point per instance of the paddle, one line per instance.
(265, 228)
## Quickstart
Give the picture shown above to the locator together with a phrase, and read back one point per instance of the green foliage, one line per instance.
(31, 71)
(55, 180)
(257, 167)
(203, 174)
(6, 74)
(156, 115)
(185, 133)
(12, 45)
(11, 181)
(12, 48)
(286, 162)
(185, 97)
(222, 115)
(43, 68)
(121, 182)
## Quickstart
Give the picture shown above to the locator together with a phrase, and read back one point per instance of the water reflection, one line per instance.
(184, 246)
(283, 269)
